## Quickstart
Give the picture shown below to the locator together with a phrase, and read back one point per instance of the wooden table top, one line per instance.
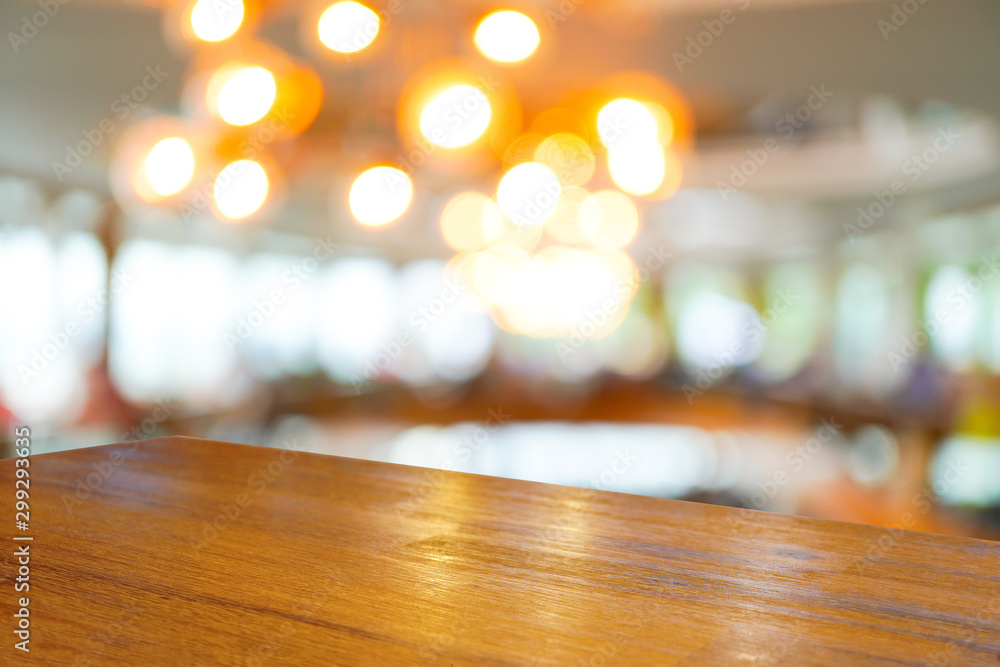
(321, 560)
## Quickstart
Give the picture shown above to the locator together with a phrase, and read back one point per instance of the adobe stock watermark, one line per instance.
(362, 34)
(914, 168)
(531, 208)
(901, 13)
(795, 460)
(445, 127)
(88, 310)
(273, 640)
(37, 21)
(104, 469)
(462, 450)
(121, 108)
(987, 617)
(751, 332)
(958, 298)
(109, 634)
(258, 480)
(562, 12)
(222, 8)
(419, 321)
(595, 318)
(267, 305)
(922, 502)
(614, 132)
(609, 652)
(702, 41)
(605, 653)
(785, 128)
(606, 480)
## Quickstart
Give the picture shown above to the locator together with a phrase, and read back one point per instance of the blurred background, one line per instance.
(733, 251)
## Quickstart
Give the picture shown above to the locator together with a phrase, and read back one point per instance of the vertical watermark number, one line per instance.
(22, 486)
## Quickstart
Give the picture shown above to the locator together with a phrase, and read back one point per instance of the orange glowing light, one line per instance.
(507, 37)
(241, 94)
(380, 195)
(569, 157)
(216, 20)
(169, 166)
(240, 189)
(348, 26)
(470, 221)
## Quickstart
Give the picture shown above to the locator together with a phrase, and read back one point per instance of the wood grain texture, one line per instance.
(333, 561)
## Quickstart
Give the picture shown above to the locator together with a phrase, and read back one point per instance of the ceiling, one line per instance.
(64, 80)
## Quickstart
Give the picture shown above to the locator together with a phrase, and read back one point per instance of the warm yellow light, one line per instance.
(240, 189)
(585, 284)
(494, 270)
(533, 292)
(460, 269)
(528, 194)
(243, 94)
(469, 223)
(564, 225)
(380, 195)
(569, 156)
(639, 169)
(216, 20)
(622, 268)
(525, 237)
(169, 166)
(626, 122)
(456, 117)
(609, 218)
(522, 149)
(556, 292)
(507, 37)
(347, 27)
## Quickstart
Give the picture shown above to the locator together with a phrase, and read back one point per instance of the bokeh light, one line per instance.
(523, 236)
(470, 221)
(528, 194)
(715, 331)
(564, 224)
(456, 117)
(609, 218)
(522, 149)
(569, 156)
(507, 37)
(626, 122)
(154, 159)
(465, 106)
(380, 195)
(626, 106)
(169, 166)
(635, 134)
(560, 291)
(215, 20)
(637, 169)
(240, 189)
(241, 94)
(348, 27)
(493, 269)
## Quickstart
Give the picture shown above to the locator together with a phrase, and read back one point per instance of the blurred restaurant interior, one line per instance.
(739, 252)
